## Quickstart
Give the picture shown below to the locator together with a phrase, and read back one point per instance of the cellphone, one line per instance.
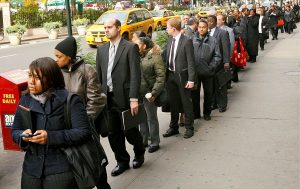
(28, 135)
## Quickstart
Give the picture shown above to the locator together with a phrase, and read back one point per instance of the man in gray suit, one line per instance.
(222, 37)
(118, 68)
(179, 58)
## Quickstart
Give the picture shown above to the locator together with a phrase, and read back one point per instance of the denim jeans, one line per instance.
(151, 126)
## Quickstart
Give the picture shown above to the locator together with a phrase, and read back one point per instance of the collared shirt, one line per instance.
(112, 53)
(260, 24)
(177, 37)
(212, 31)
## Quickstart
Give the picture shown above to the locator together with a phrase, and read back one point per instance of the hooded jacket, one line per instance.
(81, 79)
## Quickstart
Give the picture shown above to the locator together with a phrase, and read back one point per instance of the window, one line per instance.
(147, 15)
(165, 14)
(139, 16)
(171, 13)
(132, 18)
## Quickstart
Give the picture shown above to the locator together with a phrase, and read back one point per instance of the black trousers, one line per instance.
(117, 134)
(261, 40)
(179, 98)
(274, 32)
(208, 89)
(57, 181)
(102, 183)
(220, 98)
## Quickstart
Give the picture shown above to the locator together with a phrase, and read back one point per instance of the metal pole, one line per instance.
(69, 23)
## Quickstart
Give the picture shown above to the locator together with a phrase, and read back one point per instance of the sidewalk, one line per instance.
(255, 144)
(39, 35)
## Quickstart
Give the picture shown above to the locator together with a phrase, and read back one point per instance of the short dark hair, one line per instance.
(213, 17)
(192, 21)
(140, 33)
(117, 23)
(49, 73)
(203, 21)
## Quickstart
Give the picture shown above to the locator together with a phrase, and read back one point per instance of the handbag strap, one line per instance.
(67, 111)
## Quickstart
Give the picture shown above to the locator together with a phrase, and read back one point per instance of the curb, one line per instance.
(6, 41)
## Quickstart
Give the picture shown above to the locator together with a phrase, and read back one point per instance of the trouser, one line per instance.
(274, 32)
(287, 27)
(179, 97)
(208, 88)
(220, 99)
(102, 183)
(117, 134)
(151, 126)
(261, 40)
(235, 73)
(58, 181)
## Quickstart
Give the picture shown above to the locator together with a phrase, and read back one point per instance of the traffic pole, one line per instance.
(69, 23)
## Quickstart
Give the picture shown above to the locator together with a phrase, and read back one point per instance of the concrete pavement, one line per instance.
(254, 145)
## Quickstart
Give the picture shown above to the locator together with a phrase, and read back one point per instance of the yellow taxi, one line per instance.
(161, 18)
(204, 11)
(220, 10)
(132, 20)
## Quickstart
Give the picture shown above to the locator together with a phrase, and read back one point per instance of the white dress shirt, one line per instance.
(260, 24)
(212, 31)
(177, 37)
(112, 54)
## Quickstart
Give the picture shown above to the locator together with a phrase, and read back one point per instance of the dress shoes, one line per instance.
(221, 110)
(171, 132)
(214, 107)
(153, 148)
(138, 161)
(181, 124)
(119, 169)
(188, 133)
(206, 117)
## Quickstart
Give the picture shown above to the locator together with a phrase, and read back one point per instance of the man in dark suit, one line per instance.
(222, 37)
(118, 68)
(179, 58)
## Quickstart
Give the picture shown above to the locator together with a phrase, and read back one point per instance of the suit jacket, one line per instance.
(223, 41)
(184, 59)
(126, 72)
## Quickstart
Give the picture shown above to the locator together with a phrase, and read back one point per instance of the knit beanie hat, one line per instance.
(68, 47)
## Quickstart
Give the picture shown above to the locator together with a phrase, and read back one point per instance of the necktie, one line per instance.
(171, 62)
(110, 65)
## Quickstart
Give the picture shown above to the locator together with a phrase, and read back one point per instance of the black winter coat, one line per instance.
(253, 35)
(48, 159)
(207, 56)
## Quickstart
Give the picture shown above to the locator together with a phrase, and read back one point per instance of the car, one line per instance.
(136, 19)
(161, 18)
(204, 11)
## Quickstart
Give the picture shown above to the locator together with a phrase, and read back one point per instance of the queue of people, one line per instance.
(199, 52)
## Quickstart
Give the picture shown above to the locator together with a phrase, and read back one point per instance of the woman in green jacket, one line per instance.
(152, 84)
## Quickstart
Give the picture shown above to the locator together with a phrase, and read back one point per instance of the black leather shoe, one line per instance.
(181, 124)
(188, 133)
(119, 169)
(221, 110)
(138, 162)
(153, 149)
(214, 107)
(171, 132)
(207, 117)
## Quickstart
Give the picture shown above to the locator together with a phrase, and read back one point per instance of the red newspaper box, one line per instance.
(12, 83)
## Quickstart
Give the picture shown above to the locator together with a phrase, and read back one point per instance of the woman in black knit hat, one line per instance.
(81, 79)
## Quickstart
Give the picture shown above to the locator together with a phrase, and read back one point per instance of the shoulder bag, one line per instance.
(87, 160)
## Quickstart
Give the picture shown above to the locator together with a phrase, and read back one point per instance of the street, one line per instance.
(19, 57)
(255, 144)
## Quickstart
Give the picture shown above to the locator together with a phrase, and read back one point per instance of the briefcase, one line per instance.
(223, 77)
